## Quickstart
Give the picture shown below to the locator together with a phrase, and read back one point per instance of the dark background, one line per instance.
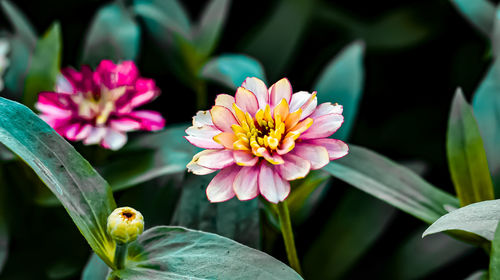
(407, 92)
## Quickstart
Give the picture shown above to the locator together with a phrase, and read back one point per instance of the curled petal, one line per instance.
(225, 100)
(223, 118)
(336, 148)
(145, 92)
(246, 100)
(202, 118)
(124, 124)
(281, 89)
(316, 155)
(202, 137)
(323, 126)
(214, 159)
(294, 167)
(198, 169)
(246, 184)
(112, 75)
(149, 120)
(221, 187)
(113, 139)
(95, 136)
(286, 145)
(305, 101)
(271, 185)
(226, 139)
(326, 109)
(258, 88)
(245, 158)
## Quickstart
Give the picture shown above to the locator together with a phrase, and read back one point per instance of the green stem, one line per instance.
(201, 95)
(120, 255)
(286, 230)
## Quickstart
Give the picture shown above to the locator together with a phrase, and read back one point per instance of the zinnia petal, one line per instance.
(222, 118)
(258, 88)
(271, 185)
(281, 89)
(245, 184)
(202, 137)
(245, 158)
(215, 159)
(149, 120)
(316, 155)
(323, 126)
(294, 167)
(221, 187)
(305, 101)
(336, 148)
(114, 139)
(246, 101)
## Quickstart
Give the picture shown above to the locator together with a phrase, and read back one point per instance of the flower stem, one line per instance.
(120, 255)
(286, 230)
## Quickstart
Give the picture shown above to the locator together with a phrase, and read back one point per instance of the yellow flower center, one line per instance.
(98, 107)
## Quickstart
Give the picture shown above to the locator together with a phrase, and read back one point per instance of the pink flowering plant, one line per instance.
(100, 107)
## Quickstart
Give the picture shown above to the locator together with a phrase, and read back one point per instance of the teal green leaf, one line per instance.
(392, 183)
(20, 54)
(480, 218)
(235, 219)
(480, 13)
(179, 253)
(208, 30)
(495, 256)
(4, 231)
(45, 65)
(232, 69)
(342, 82)
(84, 194)
(486, 105)
(22, 27)
(466, 155)
(350, 231)
(418, 257)
(162, 16)
(150, 156)
(113, 34)
(95, 269)
(271, 45)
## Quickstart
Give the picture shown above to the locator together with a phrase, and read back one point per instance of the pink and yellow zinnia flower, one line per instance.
(100, 107)
(261, 139)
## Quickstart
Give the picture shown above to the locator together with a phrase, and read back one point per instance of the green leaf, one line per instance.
(45, 65)
(342, 82)
(479, 275)
(95, 269)
(150, 156)
(4, 232)
(179, 253)
(162, 16)
(84, 194)
(23, 28)
(466, 155)
(238, 220)
(208, 30)
(113, 34)
(351, 230)
(481, 13)
(486, 105)
(271, 45)
(392, 183)
(232, 69)
(495, 256)
(416, 258)
(480, 218)
(20, 54)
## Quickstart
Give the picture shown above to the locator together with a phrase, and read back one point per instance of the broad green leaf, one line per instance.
(179, 253)
(232, 69)
(84, 194)
(238, 220)
(481, 13)
(480, 218)
(150, 156)
(113, 34)
(350, 231)
(418, 257)
(208, 30)
(4, 233)
(271, 45)
(486, 105)
(20, 54)
(392, 183)
(466, 155)
(22, 27)
(162, 16)
(495, 256)
(95, 269)
(342, 82)
(45, 65)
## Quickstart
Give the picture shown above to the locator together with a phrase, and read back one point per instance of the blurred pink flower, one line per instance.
(261, 139)
(99, 107)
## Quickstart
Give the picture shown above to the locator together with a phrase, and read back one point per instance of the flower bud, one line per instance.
(125, 224)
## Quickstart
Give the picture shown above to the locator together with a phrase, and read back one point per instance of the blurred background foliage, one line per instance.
(416, 54)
